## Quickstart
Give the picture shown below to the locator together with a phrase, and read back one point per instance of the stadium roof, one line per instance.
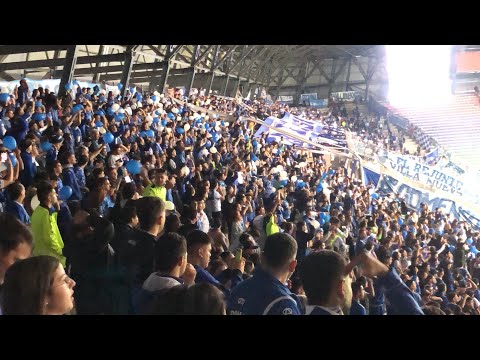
(258, 63)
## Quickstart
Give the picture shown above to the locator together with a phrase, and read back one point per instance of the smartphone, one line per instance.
(238, 255)
(4, 157)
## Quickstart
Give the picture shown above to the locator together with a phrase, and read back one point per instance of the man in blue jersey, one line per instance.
(265, 293)
(326, 279)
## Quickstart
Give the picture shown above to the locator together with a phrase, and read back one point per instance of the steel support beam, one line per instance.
(323, 85)
(319, 66)
(269, 70)
(3, 74)
(370, 71)
(245, 52)
(225, 86)
(191, 70)
(172, 51)
(164, 75)
(360, 67)
(127, 71)
(235, 88)
(225, 57)
(49, 63)
(22, 49)
(277, 92)
(68, 69)
(212, 68)
(331, 81)
(246, 89)
(202, 56)
(191, 78)
(166, 65)
(98, 65)
(301, 85)
(254, 90)
(347, 80)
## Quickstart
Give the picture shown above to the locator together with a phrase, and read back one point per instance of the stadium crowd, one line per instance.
(140, 205)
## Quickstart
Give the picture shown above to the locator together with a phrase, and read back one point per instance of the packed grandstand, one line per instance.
(119, 200)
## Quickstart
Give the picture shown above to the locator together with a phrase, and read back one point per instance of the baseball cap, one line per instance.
(56, 139)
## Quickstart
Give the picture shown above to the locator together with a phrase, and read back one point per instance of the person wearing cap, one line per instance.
(266, 293)
(57, 142)
(327, 278)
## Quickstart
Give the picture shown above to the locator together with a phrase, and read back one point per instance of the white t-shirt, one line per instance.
(157, 282)
(112, 161)
(216, 202)
(203, 223)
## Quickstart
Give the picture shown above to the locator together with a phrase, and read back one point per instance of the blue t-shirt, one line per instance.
(357, 308)
(18, 211)
(262, 294)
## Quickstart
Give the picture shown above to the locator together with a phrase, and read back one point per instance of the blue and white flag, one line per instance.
(311, 130)
(432, 157)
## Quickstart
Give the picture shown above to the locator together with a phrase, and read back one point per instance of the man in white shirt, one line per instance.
(116, 158)
(215, 200)
(202, 219)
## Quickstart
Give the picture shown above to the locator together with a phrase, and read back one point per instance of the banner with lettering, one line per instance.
(285, 99)
(308, 97)
(440, 179)
(321, 103)
(344, 95)
(412, 169)
(414, 197)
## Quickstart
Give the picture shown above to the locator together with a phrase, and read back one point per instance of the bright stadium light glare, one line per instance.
(418, 75)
